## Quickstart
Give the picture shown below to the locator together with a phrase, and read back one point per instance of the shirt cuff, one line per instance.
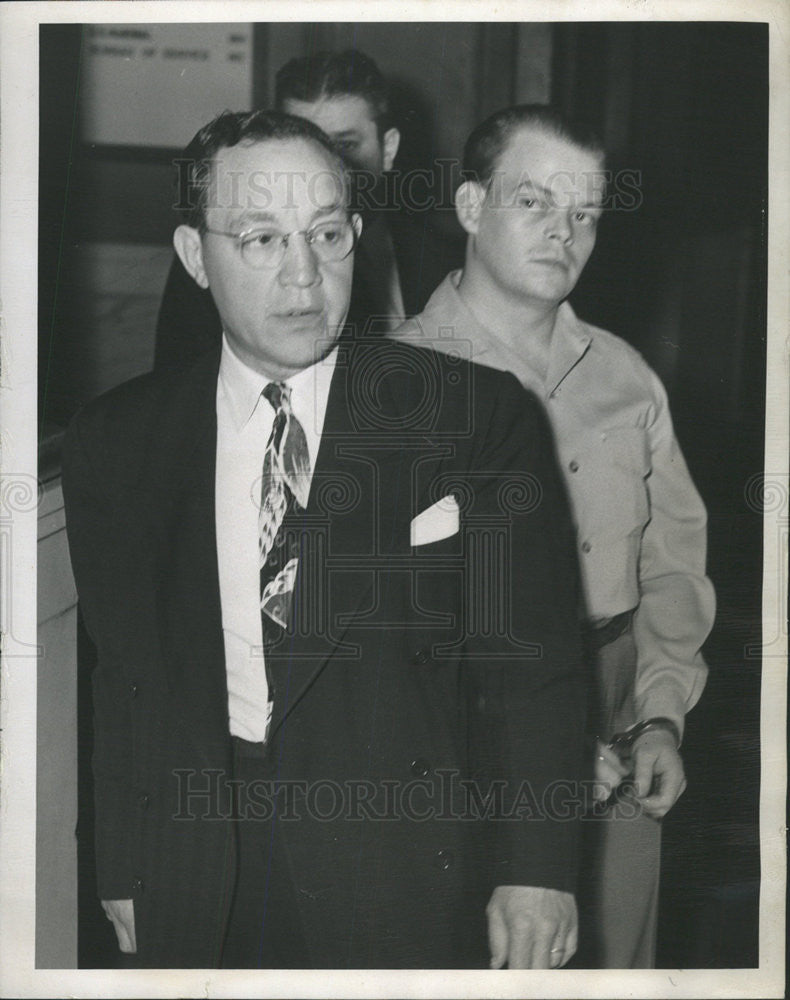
(667, 703)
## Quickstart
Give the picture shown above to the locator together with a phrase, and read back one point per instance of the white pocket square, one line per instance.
(441, 520)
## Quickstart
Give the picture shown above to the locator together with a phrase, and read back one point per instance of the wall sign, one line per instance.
(156, 84)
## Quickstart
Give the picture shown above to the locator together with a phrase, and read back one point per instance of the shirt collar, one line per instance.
(243, 387)
(570, 339)
(569, 343)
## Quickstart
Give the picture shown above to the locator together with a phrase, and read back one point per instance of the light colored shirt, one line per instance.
(641, 525)
(244, 423)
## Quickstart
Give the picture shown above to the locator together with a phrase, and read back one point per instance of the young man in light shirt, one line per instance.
(530, 204)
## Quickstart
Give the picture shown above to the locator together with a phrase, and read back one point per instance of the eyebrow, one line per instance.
(254, 217)
(539, 189)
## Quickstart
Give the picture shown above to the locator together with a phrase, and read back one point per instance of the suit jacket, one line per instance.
(188, 324)
(407, 670)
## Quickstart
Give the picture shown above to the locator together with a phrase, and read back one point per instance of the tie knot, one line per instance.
(278, 394)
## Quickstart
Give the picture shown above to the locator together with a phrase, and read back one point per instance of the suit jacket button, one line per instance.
(573, 465)
(133, 690)
(421, 657)
(586, 547)
(137, 885)
(143, 800)
(420, 767)
(444, 860)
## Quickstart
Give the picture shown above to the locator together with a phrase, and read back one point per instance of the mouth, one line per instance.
(298, 318)
(550, 261)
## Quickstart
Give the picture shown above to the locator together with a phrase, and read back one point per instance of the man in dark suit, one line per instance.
(402, 255)
(332, 586)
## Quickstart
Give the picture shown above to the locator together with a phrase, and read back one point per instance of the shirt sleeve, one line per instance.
(677, 602)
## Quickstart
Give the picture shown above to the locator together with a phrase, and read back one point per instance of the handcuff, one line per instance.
(623, 743)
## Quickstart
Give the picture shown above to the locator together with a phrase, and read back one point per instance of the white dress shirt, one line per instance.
(244, 423)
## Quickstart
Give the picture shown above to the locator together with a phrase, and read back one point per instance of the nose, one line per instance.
(300, 265)
(558, 226)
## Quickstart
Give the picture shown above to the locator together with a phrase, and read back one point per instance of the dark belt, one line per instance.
(601, 633)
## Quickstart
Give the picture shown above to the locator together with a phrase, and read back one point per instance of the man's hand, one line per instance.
(659, 780)
(609, 772)
(121, 913)
(531, 928)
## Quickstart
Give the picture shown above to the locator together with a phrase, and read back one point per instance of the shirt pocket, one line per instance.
(621, 464)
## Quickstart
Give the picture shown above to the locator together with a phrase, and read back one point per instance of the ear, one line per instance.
(469, 200)
(389, 147)
(189, 247)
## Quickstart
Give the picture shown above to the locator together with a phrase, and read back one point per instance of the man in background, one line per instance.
(402, 255)
(530, 204)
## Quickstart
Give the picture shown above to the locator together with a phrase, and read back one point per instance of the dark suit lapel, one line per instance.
(343, 531)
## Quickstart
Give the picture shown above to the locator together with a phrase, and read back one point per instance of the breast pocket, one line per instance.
(620, 467)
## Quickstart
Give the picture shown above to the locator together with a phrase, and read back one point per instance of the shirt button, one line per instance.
(137, 885)
(573, 466)
(586, 546)
(444, 860)
(420, 767)
(421, 657)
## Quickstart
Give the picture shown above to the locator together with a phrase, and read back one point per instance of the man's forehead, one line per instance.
(531, 148)
(336, 113)
(268, 155)
(276, 173)
(539, 161)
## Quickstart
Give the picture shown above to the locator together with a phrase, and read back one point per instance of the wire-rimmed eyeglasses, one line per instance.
(264, 247)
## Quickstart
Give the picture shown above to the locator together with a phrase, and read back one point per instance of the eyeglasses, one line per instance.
(262, 248)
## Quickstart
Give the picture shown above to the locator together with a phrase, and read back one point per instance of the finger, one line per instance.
(522, 944)
(659, 805)
(571, 943)
(601, 791)
(542, 956)
(557, 952)
(643, 773)
(497, 938)
(606, 781)
(608, 757)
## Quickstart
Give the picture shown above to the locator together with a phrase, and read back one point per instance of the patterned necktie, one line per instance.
(284, 489)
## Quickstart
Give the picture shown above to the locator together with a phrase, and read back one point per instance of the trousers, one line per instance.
(621, 864)
(265, 929)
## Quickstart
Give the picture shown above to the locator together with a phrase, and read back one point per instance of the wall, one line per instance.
(56, 746)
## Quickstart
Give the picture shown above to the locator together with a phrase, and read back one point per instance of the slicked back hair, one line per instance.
(350, 73)
(490, 139)
(231, 128)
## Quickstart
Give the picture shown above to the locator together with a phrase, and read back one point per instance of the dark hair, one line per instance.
(335, 74)
(229, 129)
(490, 139)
